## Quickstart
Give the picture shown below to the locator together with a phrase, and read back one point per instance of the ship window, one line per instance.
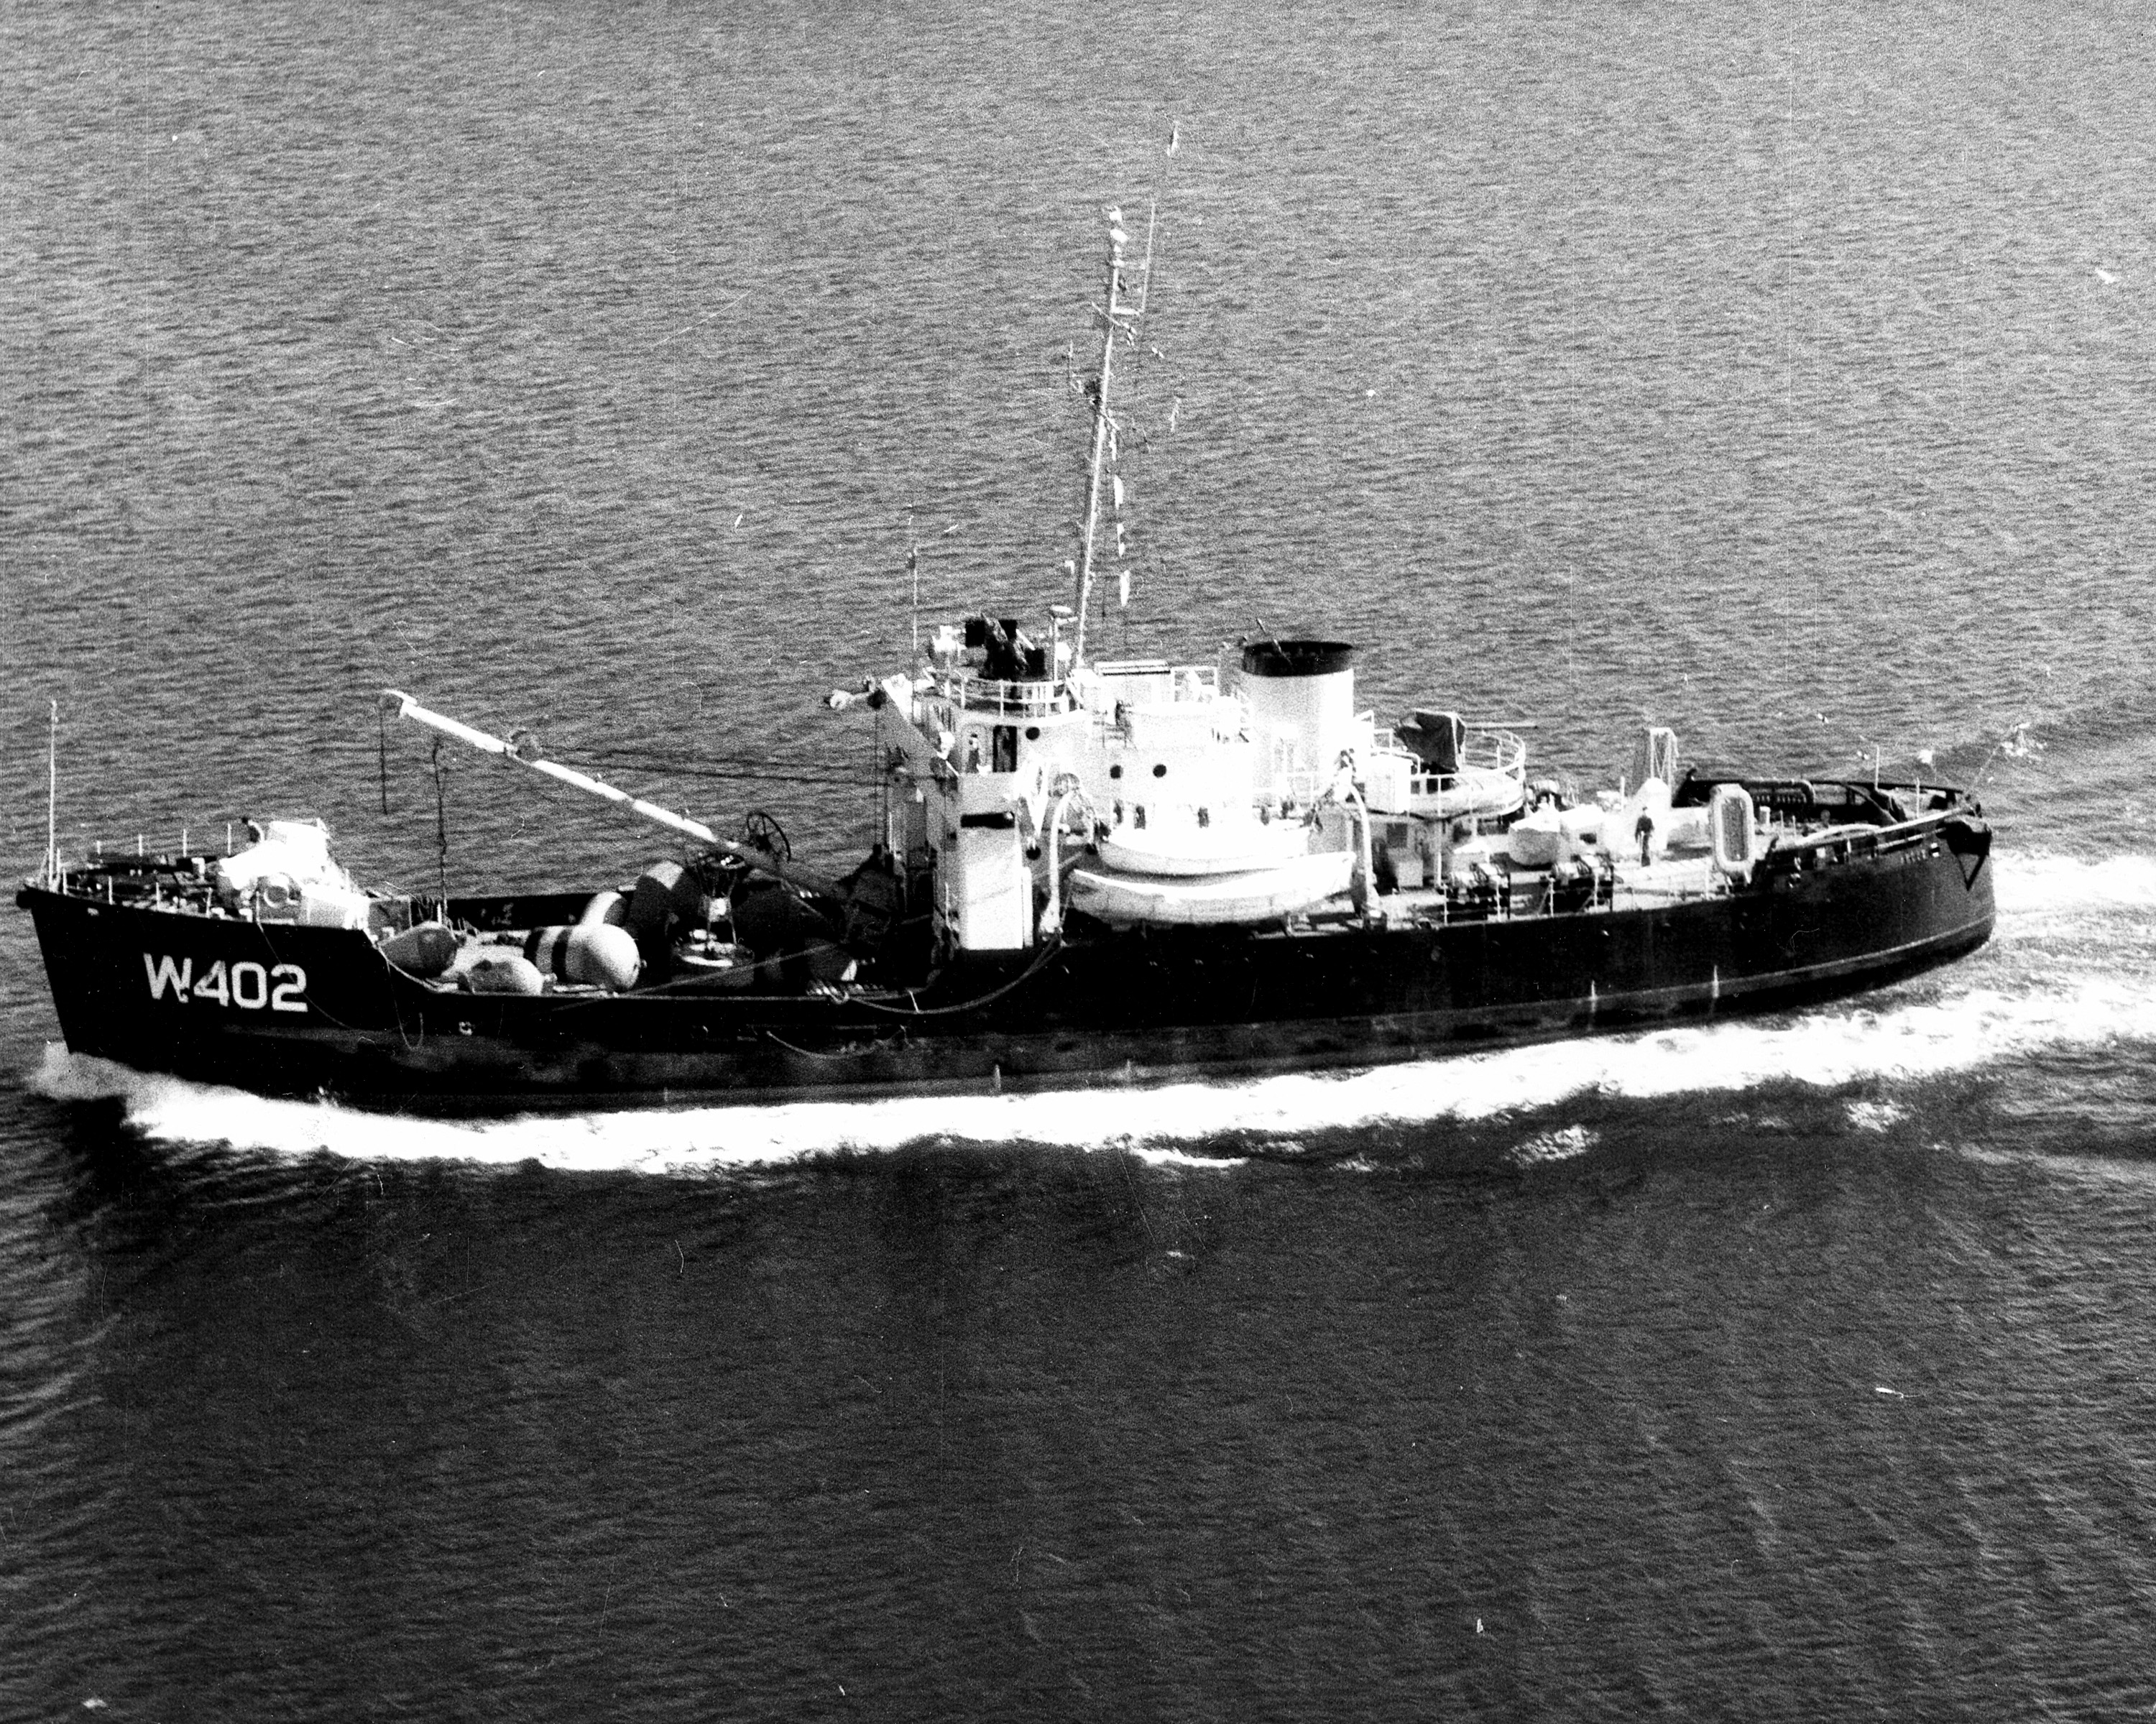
(1032, 733)
(1005, 740)
(1114, 771)
(1160, 771)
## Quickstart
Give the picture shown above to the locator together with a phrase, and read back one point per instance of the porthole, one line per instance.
(1160, 771)
(1032, 733)
(1114, 771)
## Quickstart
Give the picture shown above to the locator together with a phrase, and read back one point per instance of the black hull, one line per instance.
(1100, 1007)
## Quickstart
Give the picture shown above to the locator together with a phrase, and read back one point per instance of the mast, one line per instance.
(53, 797)
(1120, 317)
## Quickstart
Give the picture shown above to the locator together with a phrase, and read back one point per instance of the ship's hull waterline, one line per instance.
(304, 1011)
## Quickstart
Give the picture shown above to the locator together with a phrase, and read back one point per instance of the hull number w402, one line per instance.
(249, 986)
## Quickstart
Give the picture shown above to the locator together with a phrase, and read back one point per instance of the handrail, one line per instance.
(1025, 698)
(1188, 685)
(1851, 838)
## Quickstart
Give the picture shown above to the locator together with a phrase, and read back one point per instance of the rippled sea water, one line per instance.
(1779, 374)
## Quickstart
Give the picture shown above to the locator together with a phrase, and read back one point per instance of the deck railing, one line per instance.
(976, 693)
(1480, 751)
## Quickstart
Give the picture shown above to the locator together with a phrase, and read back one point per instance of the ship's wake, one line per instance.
(2044, 896)
(2073, 972)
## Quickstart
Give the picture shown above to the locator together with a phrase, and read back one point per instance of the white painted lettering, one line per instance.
(251, 979)
(164, 973)
(245, 984)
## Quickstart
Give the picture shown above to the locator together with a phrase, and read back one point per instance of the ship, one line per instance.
(1086, 870)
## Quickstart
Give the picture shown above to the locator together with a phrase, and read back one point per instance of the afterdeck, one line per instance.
(1494, 889)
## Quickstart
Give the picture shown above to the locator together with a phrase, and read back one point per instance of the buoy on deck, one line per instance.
(608, 907)
(596, 953)
(504, 972)
(424, 950)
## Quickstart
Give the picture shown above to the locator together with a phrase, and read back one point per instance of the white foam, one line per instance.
(62, 1076)
(1875, 1116)
(169, 1109)
(1558, 1146)
(2048, 887)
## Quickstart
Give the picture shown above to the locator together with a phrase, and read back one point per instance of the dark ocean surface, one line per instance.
(1783, 374)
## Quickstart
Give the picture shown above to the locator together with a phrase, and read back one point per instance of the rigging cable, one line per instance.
(1026, 975)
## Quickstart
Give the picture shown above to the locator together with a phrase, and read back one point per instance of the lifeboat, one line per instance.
(1198, 852)
(1240, 899)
